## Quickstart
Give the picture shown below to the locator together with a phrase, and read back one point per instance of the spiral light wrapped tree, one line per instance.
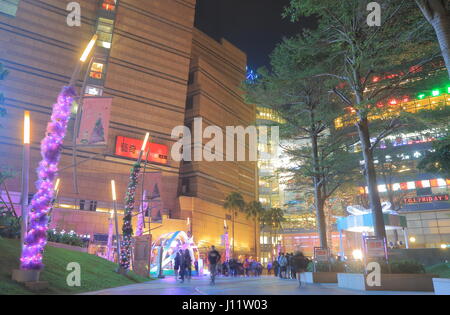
(127, 229)
(51, 146)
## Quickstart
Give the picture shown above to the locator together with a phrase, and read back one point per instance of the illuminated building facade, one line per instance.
(421, 197)
(146, 55)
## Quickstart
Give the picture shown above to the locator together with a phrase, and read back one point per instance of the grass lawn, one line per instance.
(96, 273)
(443, 270)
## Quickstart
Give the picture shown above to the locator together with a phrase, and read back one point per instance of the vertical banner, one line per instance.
(94, 122)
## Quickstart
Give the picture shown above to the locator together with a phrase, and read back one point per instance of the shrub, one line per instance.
(70, 238)
(336, 266)
(406, 266)
(10, 225)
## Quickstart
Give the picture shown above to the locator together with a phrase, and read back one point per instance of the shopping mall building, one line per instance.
(161, 72)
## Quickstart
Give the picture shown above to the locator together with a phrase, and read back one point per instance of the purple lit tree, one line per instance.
(51, 146)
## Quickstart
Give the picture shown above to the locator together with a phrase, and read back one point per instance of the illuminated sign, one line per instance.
(426, 199)
(129, 148)
(374, 247)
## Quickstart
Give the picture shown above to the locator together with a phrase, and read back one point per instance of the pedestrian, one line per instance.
(300, 263)
(269, 268)
(283, 264)
(177, 263)
(186, 266)
(213, 259)
(196, 268)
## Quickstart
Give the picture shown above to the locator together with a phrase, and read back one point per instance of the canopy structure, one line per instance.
(364, 222)
(361, 221)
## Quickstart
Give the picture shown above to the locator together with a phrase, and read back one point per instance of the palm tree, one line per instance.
(254, 210)
(235, 203)
(273, 218)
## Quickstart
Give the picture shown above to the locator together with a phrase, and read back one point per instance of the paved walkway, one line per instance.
(238, 286)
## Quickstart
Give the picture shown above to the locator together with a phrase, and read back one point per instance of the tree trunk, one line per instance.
(233, 218)
(318, 198)
(371, 178)
(436, 13)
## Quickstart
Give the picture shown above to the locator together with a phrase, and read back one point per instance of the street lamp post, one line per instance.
(116, 222)
(25, 174)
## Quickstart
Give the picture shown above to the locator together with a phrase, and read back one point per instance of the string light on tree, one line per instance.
(41, 203)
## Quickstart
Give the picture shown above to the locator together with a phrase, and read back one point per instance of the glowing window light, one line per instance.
(444, 246)
(411, 185)
(436, 92)
(412, 239)
(357, 254)
(426, 183)
(382, 188)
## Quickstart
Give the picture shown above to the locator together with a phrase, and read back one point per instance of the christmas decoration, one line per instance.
(127, 229)
(51, 146)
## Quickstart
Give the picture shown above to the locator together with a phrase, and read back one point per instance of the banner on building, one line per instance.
(129, 148)
(94, 122)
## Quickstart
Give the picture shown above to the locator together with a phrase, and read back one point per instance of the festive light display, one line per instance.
(127, 229)
(51, 146)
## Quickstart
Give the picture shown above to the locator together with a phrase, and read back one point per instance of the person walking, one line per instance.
(186, 266)
(300, 263)
(177, 262)
(283, 264)
(213, 259)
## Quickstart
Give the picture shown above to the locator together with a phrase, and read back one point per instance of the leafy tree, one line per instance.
(373, 65)
(437, 14)
(273, 218)
(319, 160)
(438, 161)
(235, 203)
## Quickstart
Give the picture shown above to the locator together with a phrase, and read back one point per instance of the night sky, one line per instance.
(255, 26)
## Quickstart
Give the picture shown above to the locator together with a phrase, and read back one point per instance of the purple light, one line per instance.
(51, 146)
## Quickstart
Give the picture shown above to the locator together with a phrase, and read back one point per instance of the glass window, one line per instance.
(9, 7)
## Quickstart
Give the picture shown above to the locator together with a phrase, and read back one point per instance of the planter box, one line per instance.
(441, 286)
(389, 282)
(319, 277)
(69, 247)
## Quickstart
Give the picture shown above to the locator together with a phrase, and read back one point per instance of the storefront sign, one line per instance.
(321, 254)
(426, 199)
(94, 123)
(129, 147)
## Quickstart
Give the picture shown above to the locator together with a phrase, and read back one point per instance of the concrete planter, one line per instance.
(319, 277)
(24, 276)
(389, 282)
(441, 286)
(69, 247)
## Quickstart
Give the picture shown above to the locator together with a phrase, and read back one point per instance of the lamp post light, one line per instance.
(25, 174)
(116, 222)
(82, 60)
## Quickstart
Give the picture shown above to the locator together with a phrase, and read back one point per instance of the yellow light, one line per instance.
(113, 189)
(412, 239)
(145, 141)
(88, 49)
(443, 246)
(26, 127)
(225, 223)
(357, 254)
(58, 181)
(111, 214)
